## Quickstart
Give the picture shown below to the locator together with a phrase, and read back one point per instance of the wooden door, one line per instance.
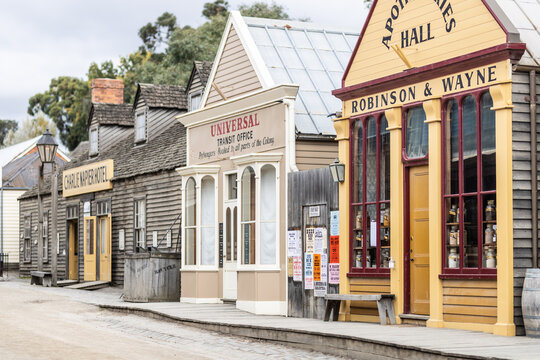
(73, 251)
(419, 240)
(90, 248)
(105, 248)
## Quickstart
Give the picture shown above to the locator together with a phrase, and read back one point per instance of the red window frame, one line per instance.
(377, 271)
(463, 272)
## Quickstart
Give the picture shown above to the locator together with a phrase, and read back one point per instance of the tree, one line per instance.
(30, 128)
(67, 104)
(5, 127)
(157, 33)
(217, 8)
(263, 10)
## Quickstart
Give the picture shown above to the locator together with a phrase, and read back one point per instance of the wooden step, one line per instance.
(63, 283)
(90, 285)
(413, 319)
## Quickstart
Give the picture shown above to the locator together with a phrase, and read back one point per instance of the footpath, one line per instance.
(347, 339)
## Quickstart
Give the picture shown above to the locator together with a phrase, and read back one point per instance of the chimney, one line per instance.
(109, 91)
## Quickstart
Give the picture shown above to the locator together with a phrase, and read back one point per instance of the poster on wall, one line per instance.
(299, 249)
(316, 267)
(297, 268)
(308, 271)
(334, 223)
(321, 286)
(334, 249)
(290, 265)
(310, 240)
(294, 243)
(320, 289)
(324, 268)
(320, 240)
(333, 273)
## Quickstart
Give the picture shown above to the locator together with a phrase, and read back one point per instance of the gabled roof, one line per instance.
(201, 68)
(111, 114)
(16, 151)
(293, 52)
(162, 96)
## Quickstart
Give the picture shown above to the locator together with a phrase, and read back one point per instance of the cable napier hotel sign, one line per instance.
(88, 178)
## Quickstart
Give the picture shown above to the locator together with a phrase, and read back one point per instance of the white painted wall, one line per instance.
(11, 224)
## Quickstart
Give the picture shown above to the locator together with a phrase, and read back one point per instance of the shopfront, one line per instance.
(427, 134)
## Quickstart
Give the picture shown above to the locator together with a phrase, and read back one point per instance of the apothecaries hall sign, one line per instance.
(88, 178)
(249, 132)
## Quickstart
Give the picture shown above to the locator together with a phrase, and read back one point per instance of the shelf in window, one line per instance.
(357, 248)
(357, 229)
(456, 223)
(385, 247)
(490, 246)
(489, 221)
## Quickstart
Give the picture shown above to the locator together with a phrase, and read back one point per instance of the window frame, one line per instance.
(144, 115)
(193, 95)
(45, 236)
(27, 239)
(197, 173)
(92, 150)
(364, 271)
(462, 272)
(107, 204)
(257, 162)
(136, 228)
(406, 159)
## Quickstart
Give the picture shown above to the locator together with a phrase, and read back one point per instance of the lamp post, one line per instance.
(337, 170)
(47, 146)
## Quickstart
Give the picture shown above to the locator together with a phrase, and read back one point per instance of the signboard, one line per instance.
(245, 133)
(221, 245)
(308, 271)
(88, 178)
(314, 211)
(333, 273)
(334, 223)
(334, 249)
(297, 268)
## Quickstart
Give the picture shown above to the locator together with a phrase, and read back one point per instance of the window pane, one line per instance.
(358, 237)
(190, 246)
(248, 195)
(190, 203)
(268, 215)
(416, 133)
(371, 236)
(489, 260)
(358, 162)
(470, 231)
(371, 159)
(102, 235)
(385, 235)
(90, 236)
(384, 159)
(469, 145)
(452, 232)
(248, 243)
(235, 234)
(207, 221)
(488, 144)
(452, 148)
(228, 231)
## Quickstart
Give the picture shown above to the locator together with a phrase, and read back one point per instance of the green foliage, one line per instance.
(263, 10)
(30, 128)
(217, 8)
(5, 127)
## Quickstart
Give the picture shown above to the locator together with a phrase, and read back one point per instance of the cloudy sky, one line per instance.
(40, 40)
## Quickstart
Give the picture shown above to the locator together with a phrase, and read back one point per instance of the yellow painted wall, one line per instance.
(475, 29)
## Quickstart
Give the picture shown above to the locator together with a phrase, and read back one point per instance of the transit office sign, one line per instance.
(88, 178)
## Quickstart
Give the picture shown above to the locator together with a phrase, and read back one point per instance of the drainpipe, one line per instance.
(534, 175)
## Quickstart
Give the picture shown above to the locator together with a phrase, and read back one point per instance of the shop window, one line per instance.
(139, 224)
(208, 221)
(93, 141)
(45, 236)
(470, 233)
(190, 223)
(268, 215)
(248, 216)
(370, 206)
(27, 245)
(140, 127)
(416, 133)
(103, 207)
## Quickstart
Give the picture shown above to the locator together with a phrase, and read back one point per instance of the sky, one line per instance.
(41, 40)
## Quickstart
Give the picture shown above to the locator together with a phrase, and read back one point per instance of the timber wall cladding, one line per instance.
(235, 74)
(305, 188)
(367, 310)
(470, 301)
(109, 135)
(521, 164)
(315, 154)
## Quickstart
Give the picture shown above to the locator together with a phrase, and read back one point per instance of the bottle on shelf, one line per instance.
(368, 260)
(386, 218)
(490, 210)
(454, 236)
(453, 259)
(358, 220)
(491, 258)
(453, 214)
(358, 260)
(488, 235)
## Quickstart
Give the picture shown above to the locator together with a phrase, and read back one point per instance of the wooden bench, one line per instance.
(41, 278)
(384, 305)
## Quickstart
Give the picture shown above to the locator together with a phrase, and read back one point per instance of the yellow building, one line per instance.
(436, 137)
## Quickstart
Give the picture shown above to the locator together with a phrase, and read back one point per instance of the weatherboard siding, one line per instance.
(109, 135)
(315, 154)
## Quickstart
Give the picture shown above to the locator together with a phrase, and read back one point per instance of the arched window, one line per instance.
(268, 215)
(248, 216)
(208, 219)
(190, 223)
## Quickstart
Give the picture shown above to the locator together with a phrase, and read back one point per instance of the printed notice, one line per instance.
(320, 240)
(373, 233)
(299, 249)
(290, 266)
(333, 273)
(308, 271)
(320, 289)
(334, 223)
(317, 267)
(291, 243)
(334, 249)
(297, 268)
(314, 211)
(324, 268)
(310, 240)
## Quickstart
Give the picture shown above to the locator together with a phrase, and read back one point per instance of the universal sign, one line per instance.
(89, 178)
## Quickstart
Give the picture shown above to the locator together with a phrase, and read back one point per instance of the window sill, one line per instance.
(258, 269)
(468, 276)
(198, 269)
(377, 273)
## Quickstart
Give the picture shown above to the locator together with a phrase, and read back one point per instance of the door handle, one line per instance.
(412, 259)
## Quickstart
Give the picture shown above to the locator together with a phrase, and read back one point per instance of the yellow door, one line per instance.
(73, 251)
(105, 248)
(419, 239)
(90, 248)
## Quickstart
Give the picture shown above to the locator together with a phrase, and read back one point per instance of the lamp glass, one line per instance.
(47, 147)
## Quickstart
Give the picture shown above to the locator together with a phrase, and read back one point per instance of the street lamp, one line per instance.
(337, 170)
(47, 146)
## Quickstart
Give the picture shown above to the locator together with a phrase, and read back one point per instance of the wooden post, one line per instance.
(54, 247)
(40, 222)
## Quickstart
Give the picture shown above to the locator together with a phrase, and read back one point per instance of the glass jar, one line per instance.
(453, 259)
(488, 235)
(491, 259)
(358, 260)
(490, 210)
(358, 221)
(386, 218)
(453, 214)
(454, 236)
